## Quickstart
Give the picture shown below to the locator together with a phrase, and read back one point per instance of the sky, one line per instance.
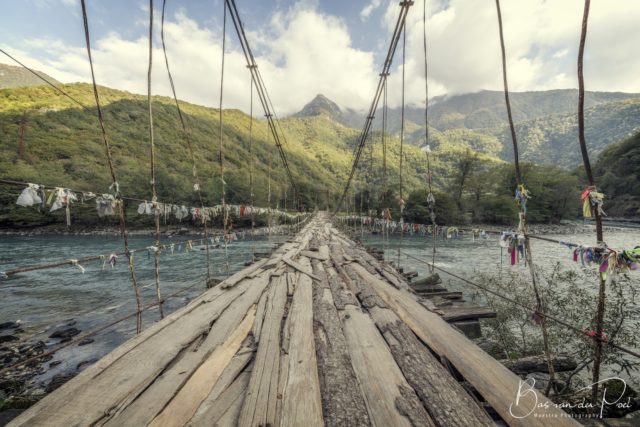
(332, 47)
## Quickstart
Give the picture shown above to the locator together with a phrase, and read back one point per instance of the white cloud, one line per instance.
(541, 40)
(369, 8)
(302, 52)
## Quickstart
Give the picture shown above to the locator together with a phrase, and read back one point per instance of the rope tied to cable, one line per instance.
(521, 196)
(225, 210)
(115, 187)
(187, 136)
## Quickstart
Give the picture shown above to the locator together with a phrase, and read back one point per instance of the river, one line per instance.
(48, 299)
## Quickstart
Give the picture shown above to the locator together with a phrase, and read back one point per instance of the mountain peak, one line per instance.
(320, 105)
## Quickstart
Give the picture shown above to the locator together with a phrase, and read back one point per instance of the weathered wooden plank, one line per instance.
(323, 250)
(300, 268)
(434, 279)
(496, 383)
(447, 403)
(455, 295)
(209, 408)
(454, 314)
(370, 353)
(410, 274)
(428, 289)
(140, 409)
(234, 279)
(341, 294)
(342, 401)
(291, 283)
(393, 276)
(260, 310)
(225, 410)
(259, 406)
(528, 365)
(110, 384)
(302, 405)
(314, 255)
(185, 403)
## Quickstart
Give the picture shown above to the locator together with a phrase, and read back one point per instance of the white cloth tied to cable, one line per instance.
(64, 197)
(146, 208)
(180, 212)
(29, 196)
(105, 204)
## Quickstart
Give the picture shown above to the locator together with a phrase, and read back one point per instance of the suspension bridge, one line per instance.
(319, 332)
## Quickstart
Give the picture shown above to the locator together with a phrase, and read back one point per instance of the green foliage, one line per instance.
(617, 173)
(554, 139)
(569, 295)
(446, 208)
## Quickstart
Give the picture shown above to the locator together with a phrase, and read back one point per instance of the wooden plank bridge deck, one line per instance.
(320, 333)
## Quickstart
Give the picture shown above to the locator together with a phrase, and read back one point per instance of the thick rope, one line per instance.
(404, 49)
(385, 208)
(540, 308)
(221, 145)
(114, 180)
(154, 191)
(597, 360)
(196, 178)
(251, 195)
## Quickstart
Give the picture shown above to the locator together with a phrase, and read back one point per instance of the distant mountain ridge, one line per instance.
(14, 76)
(545, 121)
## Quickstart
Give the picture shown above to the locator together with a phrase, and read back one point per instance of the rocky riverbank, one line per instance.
(20, 386)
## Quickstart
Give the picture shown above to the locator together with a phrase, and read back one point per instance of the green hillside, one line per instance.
(617, 173)
(554, 139)
(62, 146)
(14, 76)
(546, 122)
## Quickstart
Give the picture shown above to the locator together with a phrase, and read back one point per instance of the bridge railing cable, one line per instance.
(104, 257)
(581, 331)
(208, 210)
(187, 136)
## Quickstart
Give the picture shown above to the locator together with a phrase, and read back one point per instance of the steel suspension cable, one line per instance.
(523, 227)
(154, 190)
(115, 187)
(263, 95)
(225, 213)
(431, 200)
(196, 179)
(400, 23)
